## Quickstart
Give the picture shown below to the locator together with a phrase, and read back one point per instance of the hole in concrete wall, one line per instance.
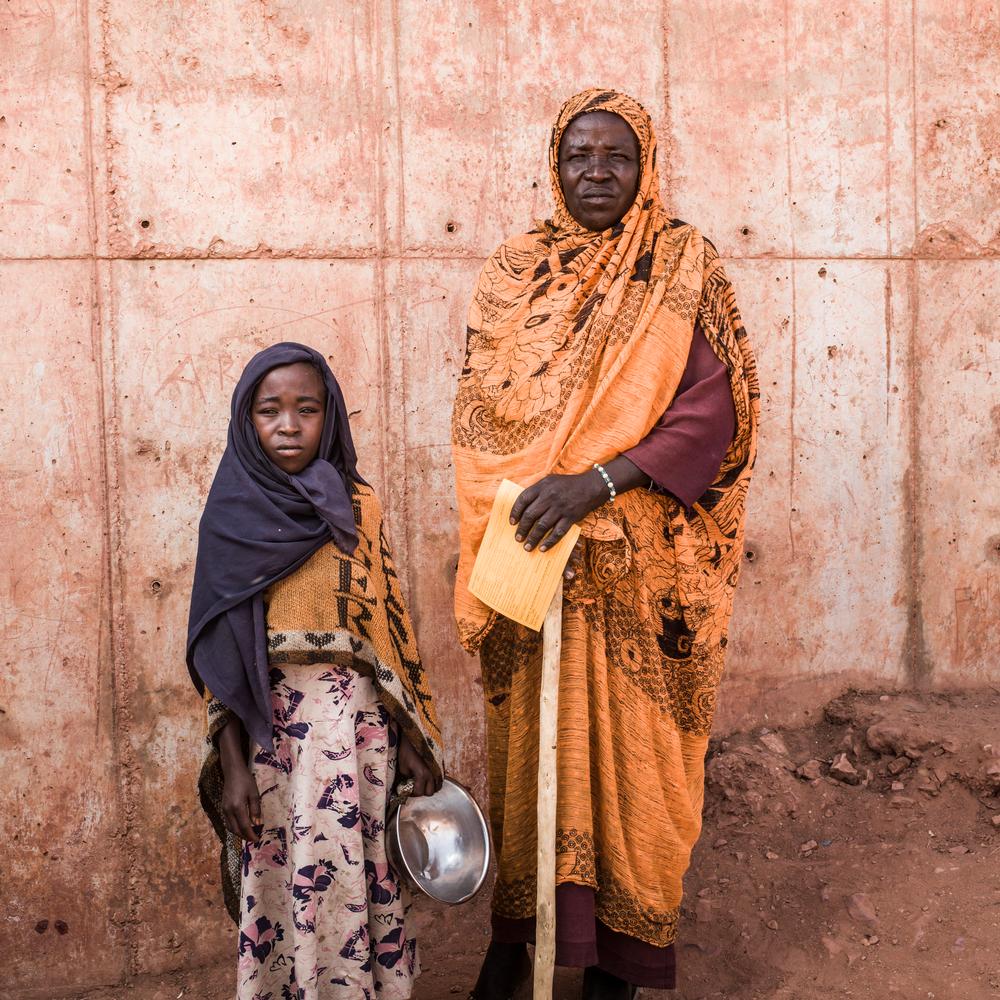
(144, 223)
(451, 227)
(745, 230)
(822, 272)
(751, 552)
(156, 586)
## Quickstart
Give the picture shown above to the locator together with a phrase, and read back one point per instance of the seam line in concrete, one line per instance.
(913, 122)
(127, 770)
(423, 256)
(380, 237)
(887, 179)
(794, 318)
(921, 669)
(111, 512)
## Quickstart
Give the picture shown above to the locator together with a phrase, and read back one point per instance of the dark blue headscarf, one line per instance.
(260, 524)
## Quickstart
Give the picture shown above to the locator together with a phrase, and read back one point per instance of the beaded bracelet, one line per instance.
(607, 479)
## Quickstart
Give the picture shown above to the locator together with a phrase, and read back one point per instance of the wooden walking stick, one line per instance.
(548, 711)
(522, 585)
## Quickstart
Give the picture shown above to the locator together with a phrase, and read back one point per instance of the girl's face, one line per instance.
(289, 407)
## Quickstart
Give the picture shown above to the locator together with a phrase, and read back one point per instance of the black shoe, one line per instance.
(506, 967)
(601, 985)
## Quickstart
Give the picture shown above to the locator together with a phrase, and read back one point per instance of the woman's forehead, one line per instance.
(605, 125)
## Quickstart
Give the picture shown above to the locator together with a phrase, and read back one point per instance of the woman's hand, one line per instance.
(240, 797)
(411, 765)
(544, 512)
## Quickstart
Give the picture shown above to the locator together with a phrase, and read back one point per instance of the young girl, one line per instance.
(301, 643)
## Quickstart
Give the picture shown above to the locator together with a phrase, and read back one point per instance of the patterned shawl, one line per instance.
(577, 341)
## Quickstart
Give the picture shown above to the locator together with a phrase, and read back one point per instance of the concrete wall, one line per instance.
(184, 182)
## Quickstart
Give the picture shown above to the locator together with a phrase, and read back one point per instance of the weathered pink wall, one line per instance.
(186, 182)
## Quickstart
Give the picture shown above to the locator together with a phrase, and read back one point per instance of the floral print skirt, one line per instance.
(322, 910)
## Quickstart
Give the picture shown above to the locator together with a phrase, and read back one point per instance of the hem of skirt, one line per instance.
(613, 951)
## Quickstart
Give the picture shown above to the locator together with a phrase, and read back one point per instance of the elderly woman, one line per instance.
(609, 372)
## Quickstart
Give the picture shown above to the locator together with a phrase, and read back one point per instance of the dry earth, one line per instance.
(875, 874)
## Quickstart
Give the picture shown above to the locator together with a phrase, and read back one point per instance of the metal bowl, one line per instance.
(441, 843)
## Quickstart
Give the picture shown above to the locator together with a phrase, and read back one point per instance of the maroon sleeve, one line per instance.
(683, 452)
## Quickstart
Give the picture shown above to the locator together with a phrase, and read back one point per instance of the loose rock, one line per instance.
(843, 770)
(889, 737)
(810, 770)
(991, 772)
(885, 737)
(774, 743)
(899, 765)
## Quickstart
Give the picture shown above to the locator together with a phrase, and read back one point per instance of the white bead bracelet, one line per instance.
(607, 479)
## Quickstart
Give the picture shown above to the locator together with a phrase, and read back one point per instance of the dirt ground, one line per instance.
(856, 857)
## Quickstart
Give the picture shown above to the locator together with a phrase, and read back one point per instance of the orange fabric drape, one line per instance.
(576, 344)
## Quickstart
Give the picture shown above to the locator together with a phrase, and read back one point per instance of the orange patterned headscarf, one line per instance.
(637, 119)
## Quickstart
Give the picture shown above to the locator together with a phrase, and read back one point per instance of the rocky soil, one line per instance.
(859, 857)
(856, 857)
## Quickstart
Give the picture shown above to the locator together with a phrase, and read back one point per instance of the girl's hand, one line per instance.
(240, 797)
(411, 765)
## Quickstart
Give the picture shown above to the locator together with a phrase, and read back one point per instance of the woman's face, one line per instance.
(598, 169)
(289, 406)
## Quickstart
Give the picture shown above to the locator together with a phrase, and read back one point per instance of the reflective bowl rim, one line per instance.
(487, 854)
